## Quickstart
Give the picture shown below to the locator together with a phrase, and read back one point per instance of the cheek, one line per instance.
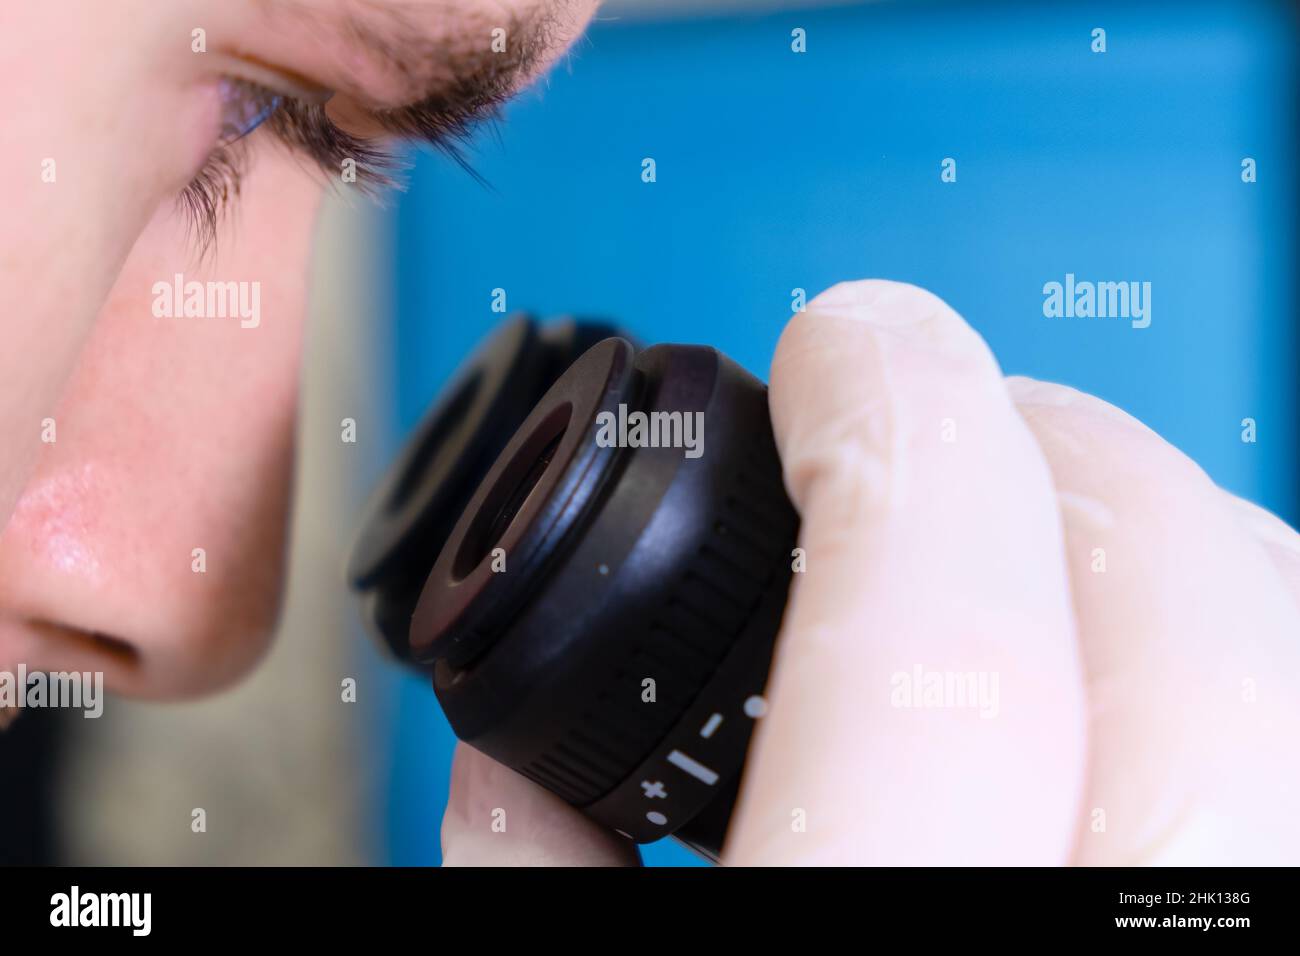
(158, 515)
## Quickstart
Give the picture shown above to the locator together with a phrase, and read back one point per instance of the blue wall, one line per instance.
(778, 170)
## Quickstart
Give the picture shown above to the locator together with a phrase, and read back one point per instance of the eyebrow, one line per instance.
(435, 73)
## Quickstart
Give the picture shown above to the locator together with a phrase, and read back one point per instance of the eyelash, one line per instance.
(305, 128)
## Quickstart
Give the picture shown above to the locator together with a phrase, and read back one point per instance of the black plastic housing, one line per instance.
(579, 573)
(412, 511)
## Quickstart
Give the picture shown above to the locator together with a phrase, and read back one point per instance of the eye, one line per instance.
(294, 112)
(295, 119)
(244, 107)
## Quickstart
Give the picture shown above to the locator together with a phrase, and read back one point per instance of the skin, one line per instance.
(172, 434)
(1123, 692)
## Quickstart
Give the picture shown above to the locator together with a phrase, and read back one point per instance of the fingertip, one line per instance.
(884, 303)
(495, 817)
(872, 368)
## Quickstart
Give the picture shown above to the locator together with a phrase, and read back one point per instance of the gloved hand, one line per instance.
(1029, 630)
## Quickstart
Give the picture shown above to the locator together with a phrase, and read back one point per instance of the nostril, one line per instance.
(115, 647)
(103, 647)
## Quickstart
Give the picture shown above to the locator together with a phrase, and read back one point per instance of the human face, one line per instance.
(145, 455)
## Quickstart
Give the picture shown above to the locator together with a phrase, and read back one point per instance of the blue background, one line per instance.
(778, 170)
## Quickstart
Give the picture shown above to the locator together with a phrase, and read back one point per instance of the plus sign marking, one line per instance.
(653, 790)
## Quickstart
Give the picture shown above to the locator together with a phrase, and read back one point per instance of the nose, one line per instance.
(121, 557)
(104, 568)
(149, 541)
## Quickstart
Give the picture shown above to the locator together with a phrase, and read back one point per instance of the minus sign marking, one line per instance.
(693, 767)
